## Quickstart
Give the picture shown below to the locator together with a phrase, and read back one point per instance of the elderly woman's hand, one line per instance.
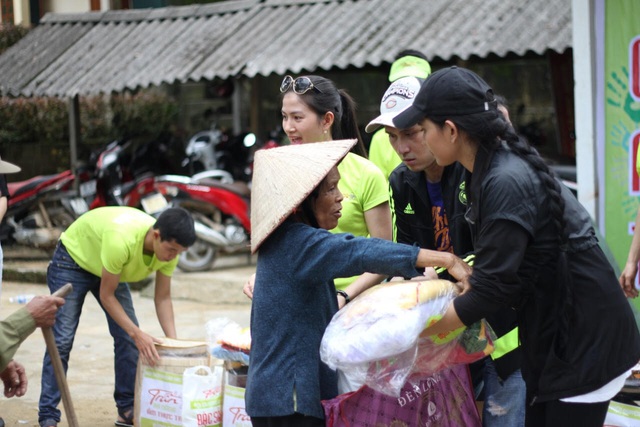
(460, 270)
(247, 289)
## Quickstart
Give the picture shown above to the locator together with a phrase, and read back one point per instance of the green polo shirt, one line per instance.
(113, 237)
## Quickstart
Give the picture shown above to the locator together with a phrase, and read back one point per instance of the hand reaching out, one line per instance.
(460, 270)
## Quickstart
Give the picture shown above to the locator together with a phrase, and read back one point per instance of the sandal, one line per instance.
(125, 417)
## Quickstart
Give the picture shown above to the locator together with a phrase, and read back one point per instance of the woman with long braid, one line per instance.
(536, 252)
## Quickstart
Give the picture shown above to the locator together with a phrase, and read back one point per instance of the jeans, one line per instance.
(63, 269)
(504, 401)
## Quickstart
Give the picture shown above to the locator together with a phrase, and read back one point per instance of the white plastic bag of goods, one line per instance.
(202, 396)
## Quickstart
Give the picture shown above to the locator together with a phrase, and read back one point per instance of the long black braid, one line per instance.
(564, 308)
(522, 148)
(490, 129)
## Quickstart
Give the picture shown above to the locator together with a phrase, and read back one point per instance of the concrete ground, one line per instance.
(198, 298)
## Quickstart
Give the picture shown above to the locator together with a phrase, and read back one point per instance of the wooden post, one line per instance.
(74, 135)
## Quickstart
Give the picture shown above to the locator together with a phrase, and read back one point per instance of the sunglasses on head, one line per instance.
(301, 85)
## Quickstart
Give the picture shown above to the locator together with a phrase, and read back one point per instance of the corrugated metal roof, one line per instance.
(94, 52)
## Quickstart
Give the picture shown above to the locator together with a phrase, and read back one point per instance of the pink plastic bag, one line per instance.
(443, 399)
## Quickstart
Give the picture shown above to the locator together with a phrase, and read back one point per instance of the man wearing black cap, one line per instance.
(536, 251)
(429, 203)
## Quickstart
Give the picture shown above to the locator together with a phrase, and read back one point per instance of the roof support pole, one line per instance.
(584, 74)
(236, 106)
(74, 134)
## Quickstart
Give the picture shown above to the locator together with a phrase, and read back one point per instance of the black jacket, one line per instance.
(411, 209)
(577, 330)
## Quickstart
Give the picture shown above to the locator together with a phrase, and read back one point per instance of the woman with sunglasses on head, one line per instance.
(314, 110)
(536, 252)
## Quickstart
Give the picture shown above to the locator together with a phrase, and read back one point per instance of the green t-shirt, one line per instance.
(382, 154)
(364, 187)
(113, 237)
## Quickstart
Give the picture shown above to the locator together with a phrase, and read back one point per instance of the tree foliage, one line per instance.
(10, 34)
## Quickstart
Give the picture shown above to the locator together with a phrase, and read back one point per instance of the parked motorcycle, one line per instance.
(201, 151)
(220, 209)
(123, 178)
(219, 204)
(213, 150)
(41, 208)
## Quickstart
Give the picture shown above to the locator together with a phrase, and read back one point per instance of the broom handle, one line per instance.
(58, 369)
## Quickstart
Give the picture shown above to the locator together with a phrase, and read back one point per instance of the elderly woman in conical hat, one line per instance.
(295, 200)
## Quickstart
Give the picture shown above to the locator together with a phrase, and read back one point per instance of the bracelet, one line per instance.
(345, 295)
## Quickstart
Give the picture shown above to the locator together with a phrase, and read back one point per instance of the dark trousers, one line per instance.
(295, 420)
(561, 414)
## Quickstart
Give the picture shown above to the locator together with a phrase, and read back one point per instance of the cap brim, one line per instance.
(407, 118)
(6, 167)
(410, 71)
(382, 120)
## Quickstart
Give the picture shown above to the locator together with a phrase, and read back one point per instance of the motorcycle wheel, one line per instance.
(199, 257)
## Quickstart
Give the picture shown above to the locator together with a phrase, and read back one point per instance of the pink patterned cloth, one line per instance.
(442, 399)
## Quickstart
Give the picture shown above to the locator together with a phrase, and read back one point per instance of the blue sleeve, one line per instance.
(326, 256)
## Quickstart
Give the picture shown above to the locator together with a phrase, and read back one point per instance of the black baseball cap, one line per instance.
(448, 92)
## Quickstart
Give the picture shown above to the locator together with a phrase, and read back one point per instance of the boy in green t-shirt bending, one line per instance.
(99, 253)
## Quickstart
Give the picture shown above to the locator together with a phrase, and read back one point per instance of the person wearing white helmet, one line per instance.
(408, 63)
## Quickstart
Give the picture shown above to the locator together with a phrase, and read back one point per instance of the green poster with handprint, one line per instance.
(621, 123)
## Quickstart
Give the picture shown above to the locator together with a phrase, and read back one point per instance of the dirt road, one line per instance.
(90, 375)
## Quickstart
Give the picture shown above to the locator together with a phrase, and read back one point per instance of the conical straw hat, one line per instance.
(283, 177)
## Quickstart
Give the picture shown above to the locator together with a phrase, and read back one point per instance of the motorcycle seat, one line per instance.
(238, 187)
(21, 187)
